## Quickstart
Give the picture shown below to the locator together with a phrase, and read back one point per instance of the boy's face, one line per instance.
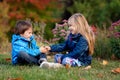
(27, 34)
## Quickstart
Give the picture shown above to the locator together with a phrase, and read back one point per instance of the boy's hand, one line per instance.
(48, 48)
(43, 49)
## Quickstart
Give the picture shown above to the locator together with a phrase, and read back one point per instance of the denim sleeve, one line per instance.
(79, 50)
(59, 47)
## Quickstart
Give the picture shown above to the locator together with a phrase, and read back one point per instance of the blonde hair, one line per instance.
(82, 27)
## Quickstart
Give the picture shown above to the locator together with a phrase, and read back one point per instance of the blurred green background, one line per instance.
(44, 14)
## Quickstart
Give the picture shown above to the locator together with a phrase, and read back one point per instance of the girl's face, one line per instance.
(72, 26)
(27, 34)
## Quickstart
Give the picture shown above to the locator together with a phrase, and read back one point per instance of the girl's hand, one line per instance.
(43, 49)
(48, 48)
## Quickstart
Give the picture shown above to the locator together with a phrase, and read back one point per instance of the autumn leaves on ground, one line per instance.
(99, 70)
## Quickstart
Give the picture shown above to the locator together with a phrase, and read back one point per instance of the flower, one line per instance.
(60, 31)
(117, 34)
(114, 37)
(94, 29)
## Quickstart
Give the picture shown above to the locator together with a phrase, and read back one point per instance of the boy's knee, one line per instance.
(22, 53)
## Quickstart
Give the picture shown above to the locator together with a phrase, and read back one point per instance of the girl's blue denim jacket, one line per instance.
(77, 47)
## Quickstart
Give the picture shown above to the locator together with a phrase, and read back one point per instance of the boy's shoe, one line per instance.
(42, 60)
(50, 65)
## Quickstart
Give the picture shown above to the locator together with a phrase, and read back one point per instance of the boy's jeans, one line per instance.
(25, 58)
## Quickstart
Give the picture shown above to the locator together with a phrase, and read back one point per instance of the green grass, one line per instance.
(97, 72)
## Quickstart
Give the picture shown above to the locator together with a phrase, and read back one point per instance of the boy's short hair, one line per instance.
(21, 26)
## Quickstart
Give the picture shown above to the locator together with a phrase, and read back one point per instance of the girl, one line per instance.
(24, 48)
(80, 43)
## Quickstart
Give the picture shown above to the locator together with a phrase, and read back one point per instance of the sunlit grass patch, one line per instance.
(32, 72)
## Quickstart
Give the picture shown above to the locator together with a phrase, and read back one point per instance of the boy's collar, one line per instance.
(20, 37)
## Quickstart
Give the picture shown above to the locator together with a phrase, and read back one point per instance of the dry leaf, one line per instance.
(67, 66)
(15, 78)
(105, 62)
(117, 70)
(8, 59)
(82, 79)
(87, 67)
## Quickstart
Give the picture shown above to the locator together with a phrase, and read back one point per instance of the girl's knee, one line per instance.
(69, 61)
(66, 61)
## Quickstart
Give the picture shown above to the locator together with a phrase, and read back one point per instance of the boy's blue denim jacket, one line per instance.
(77, 47)
(21, 44)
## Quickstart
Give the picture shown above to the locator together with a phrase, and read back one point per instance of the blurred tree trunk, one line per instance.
(67, 3)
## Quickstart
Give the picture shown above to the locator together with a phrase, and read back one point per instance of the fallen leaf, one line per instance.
(8, 59)
(82, 79)
(19, 78)
(117, 70)
(87, 67)
(67, 66)
(105, 62)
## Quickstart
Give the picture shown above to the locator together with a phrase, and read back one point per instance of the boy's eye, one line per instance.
(30, 32)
